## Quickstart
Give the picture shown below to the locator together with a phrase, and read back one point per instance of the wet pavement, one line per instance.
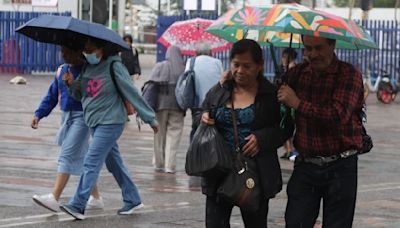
(28, 166)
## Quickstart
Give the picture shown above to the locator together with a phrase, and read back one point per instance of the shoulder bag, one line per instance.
(242, 185)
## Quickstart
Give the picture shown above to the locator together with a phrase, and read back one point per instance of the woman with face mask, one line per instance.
(73, 136)
(102, 100)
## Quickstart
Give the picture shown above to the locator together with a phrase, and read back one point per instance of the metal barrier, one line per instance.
(20, 54)
(385, 33)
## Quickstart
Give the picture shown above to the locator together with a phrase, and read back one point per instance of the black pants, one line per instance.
(335, 184)
(218, 214)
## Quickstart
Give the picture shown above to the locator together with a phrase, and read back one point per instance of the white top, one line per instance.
(208, 72)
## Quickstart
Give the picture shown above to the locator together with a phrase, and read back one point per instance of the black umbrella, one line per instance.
(69, 31)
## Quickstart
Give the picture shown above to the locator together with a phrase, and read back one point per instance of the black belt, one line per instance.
(321, 161)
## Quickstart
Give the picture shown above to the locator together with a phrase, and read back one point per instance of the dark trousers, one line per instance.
(335, 184)
(218, 214)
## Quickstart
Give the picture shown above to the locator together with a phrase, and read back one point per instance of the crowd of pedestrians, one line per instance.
(325, 94)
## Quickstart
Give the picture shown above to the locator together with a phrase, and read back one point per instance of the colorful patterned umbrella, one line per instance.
(262, 23)
(186, 34)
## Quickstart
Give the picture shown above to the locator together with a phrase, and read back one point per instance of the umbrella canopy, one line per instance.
(69, 31)
(186, 34)
(261, 23)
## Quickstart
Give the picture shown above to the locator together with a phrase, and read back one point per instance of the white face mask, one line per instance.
(92, 58)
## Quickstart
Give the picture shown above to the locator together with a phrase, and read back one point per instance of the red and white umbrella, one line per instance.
(186, 35)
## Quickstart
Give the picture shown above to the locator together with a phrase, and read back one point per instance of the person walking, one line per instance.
(288, 61)
(103, 86)
(130, 58)
(257, 111)
(73, 135)
(168, 113)
(208, 71)
(327, 95)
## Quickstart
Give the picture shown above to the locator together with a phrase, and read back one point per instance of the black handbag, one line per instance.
(242, 185)
(367, 143)
(208, 153)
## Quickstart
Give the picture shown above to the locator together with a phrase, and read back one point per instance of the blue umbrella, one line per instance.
(69, 31)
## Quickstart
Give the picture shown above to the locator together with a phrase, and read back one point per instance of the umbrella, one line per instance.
(69, 31)
(186, 34)
(271, 24)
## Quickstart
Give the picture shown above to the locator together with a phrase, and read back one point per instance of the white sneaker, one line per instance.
(47, 201)
(94, 203)
(171, 171)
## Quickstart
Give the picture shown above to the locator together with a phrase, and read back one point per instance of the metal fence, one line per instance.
(385, 33)
(20, 54)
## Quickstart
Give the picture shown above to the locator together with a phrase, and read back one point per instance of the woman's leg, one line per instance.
(218, 212)
(115, 165)
(104, 138)
(59, 185)
(95, 192)
(257, 218)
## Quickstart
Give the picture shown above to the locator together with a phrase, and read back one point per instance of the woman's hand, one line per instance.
(35, 122)
(251, 148)
(206, 119)
(156, 128)
(68, 78)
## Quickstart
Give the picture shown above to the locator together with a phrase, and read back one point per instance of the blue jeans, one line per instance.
(74, 138)
(335, 184)
(104, 148)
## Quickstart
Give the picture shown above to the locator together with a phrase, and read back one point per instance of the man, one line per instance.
(327, 95)
(208, 71)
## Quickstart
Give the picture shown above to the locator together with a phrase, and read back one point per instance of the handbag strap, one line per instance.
(234, 123)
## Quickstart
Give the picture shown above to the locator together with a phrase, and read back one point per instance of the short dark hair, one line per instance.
(292, 54)
(330, 41)
(107, 47)
(129, 37)
(250, 46)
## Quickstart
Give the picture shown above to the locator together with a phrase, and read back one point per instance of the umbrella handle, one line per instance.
(277, 70)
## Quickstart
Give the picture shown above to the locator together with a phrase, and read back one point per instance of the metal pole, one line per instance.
(351, 6)
(219, 7)
(110, 13)
(79, 9)
(159, 7)
(395, 9)
(121, 16)
(91, 11)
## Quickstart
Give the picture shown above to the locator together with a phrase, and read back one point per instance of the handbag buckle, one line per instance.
(241, 170)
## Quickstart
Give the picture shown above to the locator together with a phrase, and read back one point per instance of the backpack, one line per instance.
(150, 91)
(185, 91)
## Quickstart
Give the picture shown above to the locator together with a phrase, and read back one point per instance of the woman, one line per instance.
(130, 58)
(105, 114)
(73, 135)
(169, 115)
(258, 119)
(288, 61)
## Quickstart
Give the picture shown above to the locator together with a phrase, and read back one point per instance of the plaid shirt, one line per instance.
(327, 119)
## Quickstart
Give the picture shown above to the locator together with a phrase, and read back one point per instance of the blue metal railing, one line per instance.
(20, 54)
(385, 33)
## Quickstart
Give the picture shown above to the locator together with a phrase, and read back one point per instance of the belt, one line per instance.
(321, 161)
